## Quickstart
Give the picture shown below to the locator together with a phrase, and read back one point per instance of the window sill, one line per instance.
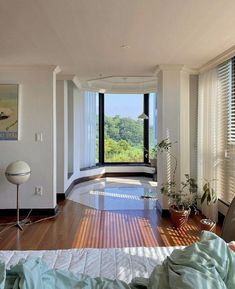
(116, 165)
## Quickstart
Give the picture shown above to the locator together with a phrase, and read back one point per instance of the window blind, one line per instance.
(226, 131)
(231, 110)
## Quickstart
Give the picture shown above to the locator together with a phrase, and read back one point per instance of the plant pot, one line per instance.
(207, 225)
(179, 218)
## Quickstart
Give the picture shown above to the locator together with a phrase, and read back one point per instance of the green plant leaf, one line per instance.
(204, 196)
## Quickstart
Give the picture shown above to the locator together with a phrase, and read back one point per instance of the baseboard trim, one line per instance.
(35, 212)
(89, 178)
(63, 196)
(129, 174)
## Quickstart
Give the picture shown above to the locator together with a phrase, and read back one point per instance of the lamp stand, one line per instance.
(18, 225)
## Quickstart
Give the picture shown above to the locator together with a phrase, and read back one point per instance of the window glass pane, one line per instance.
(152, 123)
(123, 131)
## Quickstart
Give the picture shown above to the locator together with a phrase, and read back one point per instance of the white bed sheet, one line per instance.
(120, 263)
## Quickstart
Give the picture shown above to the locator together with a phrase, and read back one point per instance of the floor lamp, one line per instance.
(18, 173)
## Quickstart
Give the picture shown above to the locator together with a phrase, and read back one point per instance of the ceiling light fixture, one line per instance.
(125, 46)
(143, 116)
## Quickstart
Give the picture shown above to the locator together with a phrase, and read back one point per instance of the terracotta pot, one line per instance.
(208, 225)
(179, 218)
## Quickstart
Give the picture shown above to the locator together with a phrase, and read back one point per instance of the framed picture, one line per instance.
(9, 111)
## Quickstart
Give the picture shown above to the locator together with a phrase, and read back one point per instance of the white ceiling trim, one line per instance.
(229, 53)
(123, 84)
(65, 77)
(72, 77)
(175, 67)
(54, 68)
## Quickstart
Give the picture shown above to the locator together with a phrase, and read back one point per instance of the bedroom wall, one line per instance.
(62, 95)
(37, 115)
(168, 121)
(193, 124)
(61, 91)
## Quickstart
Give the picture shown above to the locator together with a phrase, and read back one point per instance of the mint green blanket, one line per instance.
(208, 264)
(35, 274)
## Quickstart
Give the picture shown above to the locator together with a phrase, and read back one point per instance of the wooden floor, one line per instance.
(78, 226)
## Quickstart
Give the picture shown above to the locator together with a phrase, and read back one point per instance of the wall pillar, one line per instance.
(173, 122)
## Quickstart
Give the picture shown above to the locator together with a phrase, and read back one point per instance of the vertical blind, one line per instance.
(231, 116)
(226, 131)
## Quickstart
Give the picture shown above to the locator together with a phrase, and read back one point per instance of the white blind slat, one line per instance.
(226, 133)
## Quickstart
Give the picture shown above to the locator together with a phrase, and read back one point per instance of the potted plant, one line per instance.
(181, 197)
(182, 200)
(210, 197)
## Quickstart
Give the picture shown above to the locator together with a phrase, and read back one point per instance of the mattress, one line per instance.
(115, 263)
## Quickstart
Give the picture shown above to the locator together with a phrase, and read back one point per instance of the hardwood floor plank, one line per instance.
(78, 226)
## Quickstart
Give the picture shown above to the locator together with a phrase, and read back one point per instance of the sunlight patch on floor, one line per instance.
(117, 194)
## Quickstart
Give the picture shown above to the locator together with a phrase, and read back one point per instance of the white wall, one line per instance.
(71, 122)
(168, 123)
(63, 162)
(36, 108)
(193, 124)
(60, 111)
(173, 122)
(184, 124)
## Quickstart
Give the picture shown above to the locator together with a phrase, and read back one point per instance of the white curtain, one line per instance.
(87, 107)
(208, 134)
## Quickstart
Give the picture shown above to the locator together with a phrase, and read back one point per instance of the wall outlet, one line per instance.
(38, 190)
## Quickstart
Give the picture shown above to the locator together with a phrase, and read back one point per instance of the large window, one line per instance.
(122, 137)
(123, 131)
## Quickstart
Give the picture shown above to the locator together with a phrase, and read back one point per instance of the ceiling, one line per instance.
(84, 37)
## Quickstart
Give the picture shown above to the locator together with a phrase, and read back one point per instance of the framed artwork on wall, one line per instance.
(9, 111)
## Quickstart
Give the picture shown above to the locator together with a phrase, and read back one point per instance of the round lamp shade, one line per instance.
(18, 172)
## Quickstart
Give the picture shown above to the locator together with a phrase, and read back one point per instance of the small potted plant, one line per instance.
(210, 197)
(180, 200)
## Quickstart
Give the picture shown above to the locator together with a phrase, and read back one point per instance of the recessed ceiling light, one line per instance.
(102, 90)
(125, 46)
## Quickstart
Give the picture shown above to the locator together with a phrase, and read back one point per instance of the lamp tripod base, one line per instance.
(18, 225)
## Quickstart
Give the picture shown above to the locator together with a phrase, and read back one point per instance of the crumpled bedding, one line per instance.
(35, 274)
(207, 264)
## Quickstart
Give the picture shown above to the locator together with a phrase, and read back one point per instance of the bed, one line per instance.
(119, 263)
(208, 263)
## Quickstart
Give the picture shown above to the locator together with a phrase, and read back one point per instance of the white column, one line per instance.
(60, 115)
(67, 87)
(173, 121)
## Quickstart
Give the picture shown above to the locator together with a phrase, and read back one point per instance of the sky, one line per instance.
(126, 105)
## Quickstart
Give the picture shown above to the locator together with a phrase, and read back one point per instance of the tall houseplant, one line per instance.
(181, 197)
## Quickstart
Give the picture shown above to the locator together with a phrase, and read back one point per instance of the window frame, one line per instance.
(145, 133)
